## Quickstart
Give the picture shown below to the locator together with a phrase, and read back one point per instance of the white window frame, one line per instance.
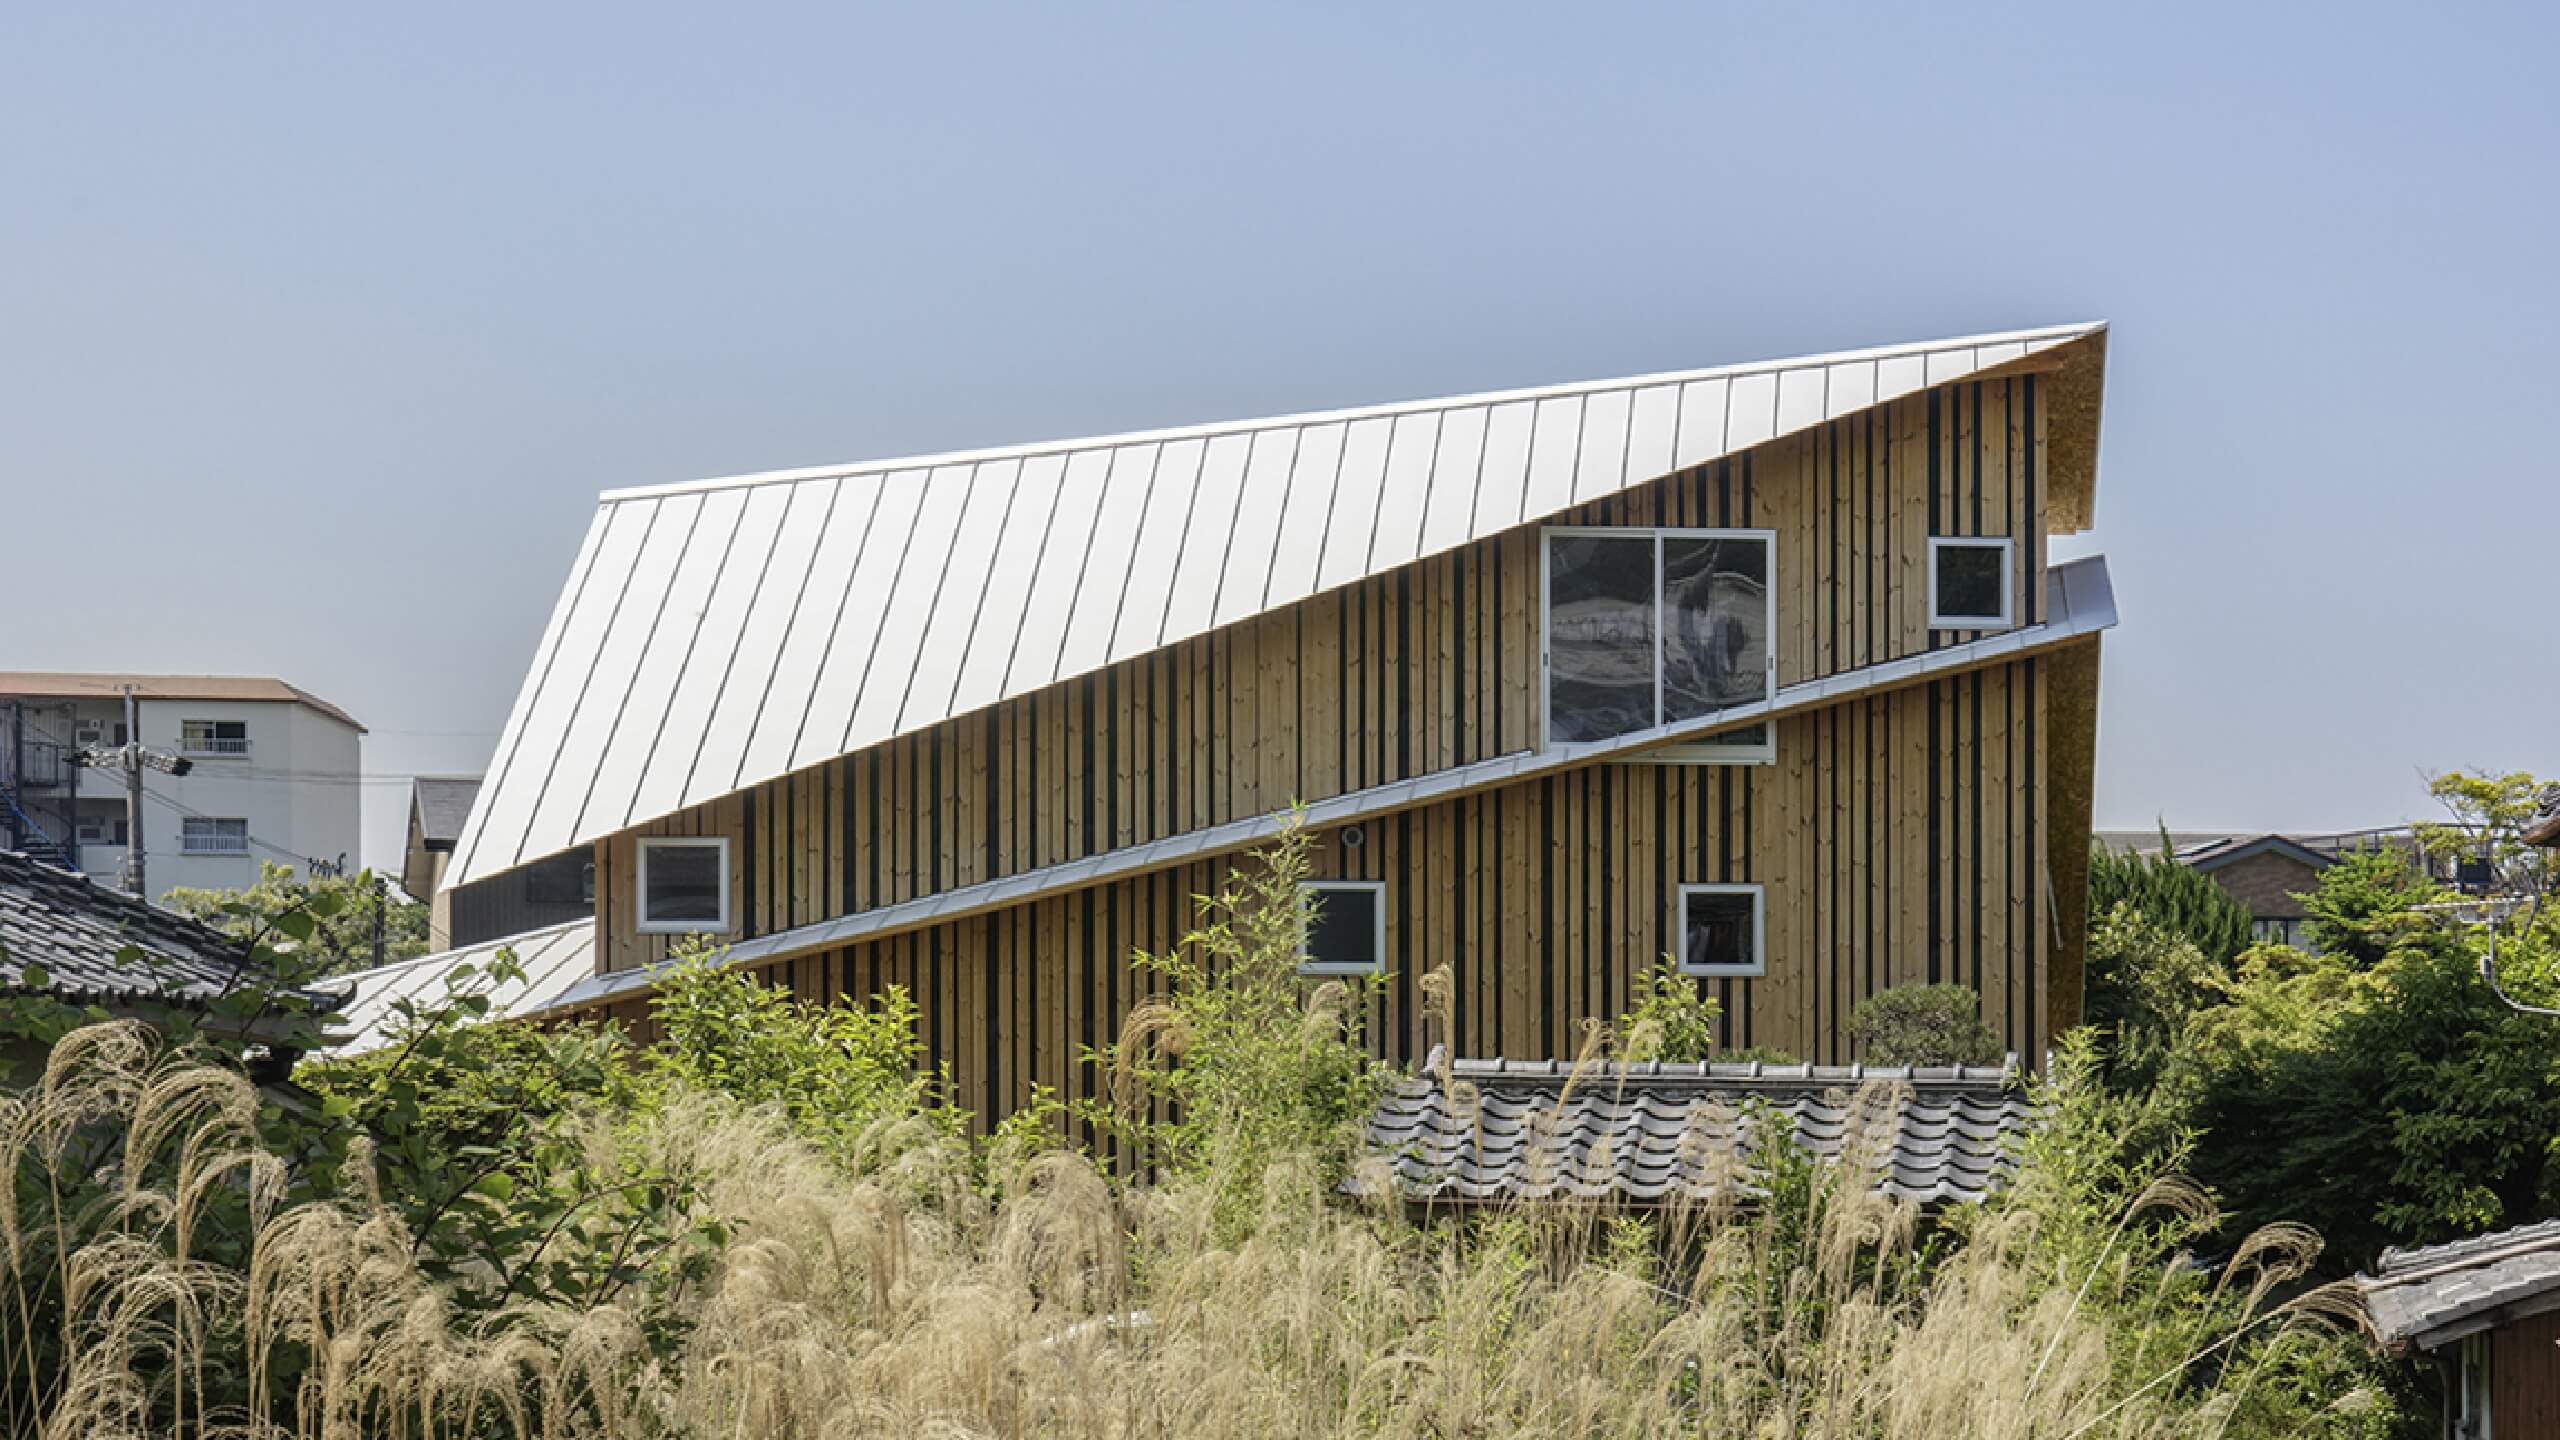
(1668, 754)
(640, 900)
(187, 843)
(2008, 547)
(1378, 940)
(1758, 964)
(209, 743)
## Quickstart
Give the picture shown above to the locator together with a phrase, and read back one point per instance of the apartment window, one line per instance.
(1646, 628)
(1722, 930)
(202, 835)
(213, 737)
(684, 886)
(100, 830)
(1346, 928)
(1969, 583)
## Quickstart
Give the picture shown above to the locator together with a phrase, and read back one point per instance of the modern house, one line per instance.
(273, 773)
(1761, 667)
(67, 938)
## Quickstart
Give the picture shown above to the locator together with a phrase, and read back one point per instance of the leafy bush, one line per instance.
(1674, 1018)
(344, 938)
(2366, 904)
(1924, 1025)
(1240, 1062)
(2176, 899)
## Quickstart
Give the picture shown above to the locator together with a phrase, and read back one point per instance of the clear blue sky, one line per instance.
(321, 325)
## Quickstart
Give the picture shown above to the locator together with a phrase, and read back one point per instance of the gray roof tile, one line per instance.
(2438, 1293)
(1651, 1133)
(443, 803)
(79, 931)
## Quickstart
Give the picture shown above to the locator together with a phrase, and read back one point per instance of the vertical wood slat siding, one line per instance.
(1547, 899)
(1415, 670)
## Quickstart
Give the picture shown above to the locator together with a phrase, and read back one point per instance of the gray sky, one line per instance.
(321, 326)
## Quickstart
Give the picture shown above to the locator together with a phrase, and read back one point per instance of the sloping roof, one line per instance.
(1497, 1131)
(78, 929)
(715, 635)
(2080, 602)
(58, 685)
(443, 804)
(2213, 855)
(2426, 1297)
(552, 959)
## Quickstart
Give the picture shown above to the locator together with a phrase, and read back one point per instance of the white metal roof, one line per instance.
(2080, 600)
(553, 959)
(718, 634)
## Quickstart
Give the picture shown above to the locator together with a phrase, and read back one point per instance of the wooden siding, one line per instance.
(1397, 675)
(2524, 1377)
(1898, 838)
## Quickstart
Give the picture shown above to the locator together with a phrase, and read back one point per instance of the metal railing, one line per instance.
(214, 744)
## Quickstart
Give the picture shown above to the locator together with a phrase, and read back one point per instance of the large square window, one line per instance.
(1721, 930)
(1646, 628)
(1969, 583)
(684, 886)
(1346, 928)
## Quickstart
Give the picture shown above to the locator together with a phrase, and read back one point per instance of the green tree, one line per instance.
(364, 926)
(2178, 899)
(2367, 903)
(2488, 815)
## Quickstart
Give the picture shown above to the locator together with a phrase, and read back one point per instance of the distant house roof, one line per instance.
(78, 930)
(2427, 1297)
(1656, 1134)
(442, 803)
(55, 685)
(2213, 855)
(2545, 829)
(716, 635)
(552, 959)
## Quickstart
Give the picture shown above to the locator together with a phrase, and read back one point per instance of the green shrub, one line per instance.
(1924, 1025)
(1674, 1018)
(2177, 899)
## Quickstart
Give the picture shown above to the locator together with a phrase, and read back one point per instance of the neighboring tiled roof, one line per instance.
(2429, 1296)
(443, 803)
(58, 685)
(77, 930)
(552, 959)
(2545, 829)
(716, 635)
(1654, 1134)
(2232, 849)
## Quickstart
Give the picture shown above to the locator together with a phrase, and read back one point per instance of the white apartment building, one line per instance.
(273, 774)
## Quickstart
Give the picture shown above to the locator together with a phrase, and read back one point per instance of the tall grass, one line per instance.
(892, 1296)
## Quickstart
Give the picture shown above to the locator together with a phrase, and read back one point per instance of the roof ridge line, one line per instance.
(1245, 425)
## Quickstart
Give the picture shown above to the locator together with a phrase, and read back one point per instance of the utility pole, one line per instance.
(378, 902)
(131, 757)
(133, 847)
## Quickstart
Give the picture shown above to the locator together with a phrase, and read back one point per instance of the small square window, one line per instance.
(684, 886)
(1969, 583)
(1721, 930)
(1346, 928)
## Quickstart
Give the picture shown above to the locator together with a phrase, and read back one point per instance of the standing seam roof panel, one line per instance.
(644, 708)
(903, 613)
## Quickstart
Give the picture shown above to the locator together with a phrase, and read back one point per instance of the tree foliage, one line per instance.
(2178, 899)
(1924, 1025)
(361, 910)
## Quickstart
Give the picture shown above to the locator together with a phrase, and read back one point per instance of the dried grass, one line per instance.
(898, 1302)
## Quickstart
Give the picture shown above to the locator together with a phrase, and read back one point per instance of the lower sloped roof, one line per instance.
(1496, 1131)
(98, 946)
(553, 959)
(2434, 1294)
